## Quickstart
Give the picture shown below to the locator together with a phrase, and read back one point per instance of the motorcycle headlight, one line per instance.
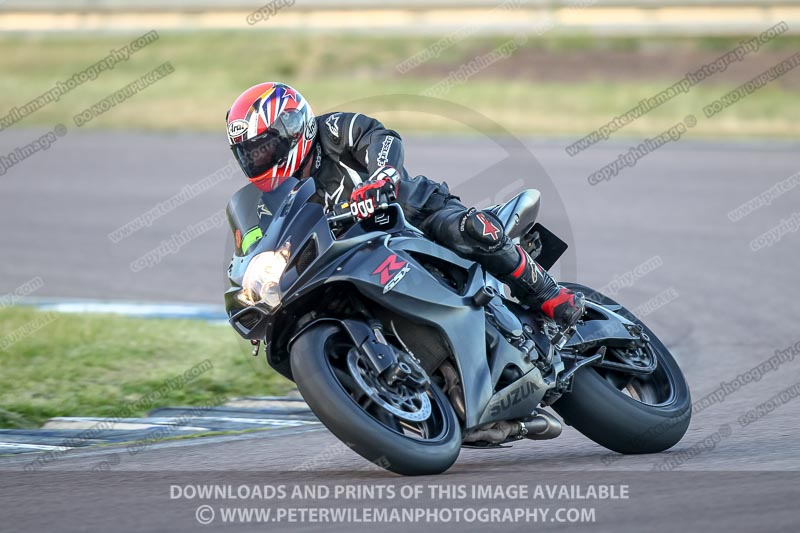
(260, 284)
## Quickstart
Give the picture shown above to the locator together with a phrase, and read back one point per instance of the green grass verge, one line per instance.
(105, 365)
(212, 68)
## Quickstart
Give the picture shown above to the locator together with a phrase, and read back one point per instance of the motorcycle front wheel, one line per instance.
(409, 432)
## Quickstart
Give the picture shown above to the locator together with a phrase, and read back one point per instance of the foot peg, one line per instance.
(598, 356)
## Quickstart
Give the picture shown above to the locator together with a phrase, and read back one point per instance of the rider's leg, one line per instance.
(479, 236)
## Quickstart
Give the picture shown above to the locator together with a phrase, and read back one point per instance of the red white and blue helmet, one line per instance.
(271, 129)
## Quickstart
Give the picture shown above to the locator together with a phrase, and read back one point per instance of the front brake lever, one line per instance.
(385, 200)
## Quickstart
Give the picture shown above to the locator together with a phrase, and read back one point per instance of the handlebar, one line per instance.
(382, 206)
(339, 217)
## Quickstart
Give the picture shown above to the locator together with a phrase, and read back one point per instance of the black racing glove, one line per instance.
(368, 196)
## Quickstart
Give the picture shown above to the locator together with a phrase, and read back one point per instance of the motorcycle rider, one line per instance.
(274, 135)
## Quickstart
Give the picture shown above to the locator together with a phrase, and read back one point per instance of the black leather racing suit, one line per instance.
(351, 147)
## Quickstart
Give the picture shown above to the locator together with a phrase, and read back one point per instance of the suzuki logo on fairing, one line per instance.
(513, 398)
(392, 271)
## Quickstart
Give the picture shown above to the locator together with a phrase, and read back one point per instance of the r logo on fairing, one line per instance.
(392, 271)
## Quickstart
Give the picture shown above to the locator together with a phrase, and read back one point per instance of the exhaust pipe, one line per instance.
(541, 426)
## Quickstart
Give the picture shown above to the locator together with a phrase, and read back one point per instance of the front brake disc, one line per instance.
(399, 400)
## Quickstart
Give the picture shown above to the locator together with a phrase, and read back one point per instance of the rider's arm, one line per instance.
(373, 144)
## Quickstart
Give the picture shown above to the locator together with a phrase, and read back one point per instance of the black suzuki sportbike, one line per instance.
(407, 352)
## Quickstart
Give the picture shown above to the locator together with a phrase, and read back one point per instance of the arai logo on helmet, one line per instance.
(236, 128)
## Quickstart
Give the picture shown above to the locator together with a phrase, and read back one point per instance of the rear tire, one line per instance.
(600, 411)
(337, 408)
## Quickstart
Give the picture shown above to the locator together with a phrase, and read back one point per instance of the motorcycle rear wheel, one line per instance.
(625, 415)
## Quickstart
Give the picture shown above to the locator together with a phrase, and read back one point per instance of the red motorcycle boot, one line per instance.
(533, 286)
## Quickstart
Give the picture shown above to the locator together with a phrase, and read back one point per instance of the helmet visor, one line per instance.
(261, 153)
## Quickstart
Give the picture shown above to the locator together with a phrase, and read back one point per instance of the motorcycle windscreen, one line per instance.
(250, 212)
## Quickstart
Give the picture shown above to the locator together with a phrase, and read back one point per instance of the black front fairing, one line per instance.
(395, 275)
(367, 259)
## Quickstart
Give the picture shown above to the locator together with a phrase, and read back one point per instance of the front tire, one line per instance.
(375, 434)
(602, 412)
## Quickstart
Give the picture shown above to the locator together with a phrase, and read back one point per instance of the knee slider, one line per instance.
(484, 229)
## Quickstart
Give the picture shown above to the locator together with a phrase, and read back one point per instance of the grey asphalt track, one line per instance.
(730, 309)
